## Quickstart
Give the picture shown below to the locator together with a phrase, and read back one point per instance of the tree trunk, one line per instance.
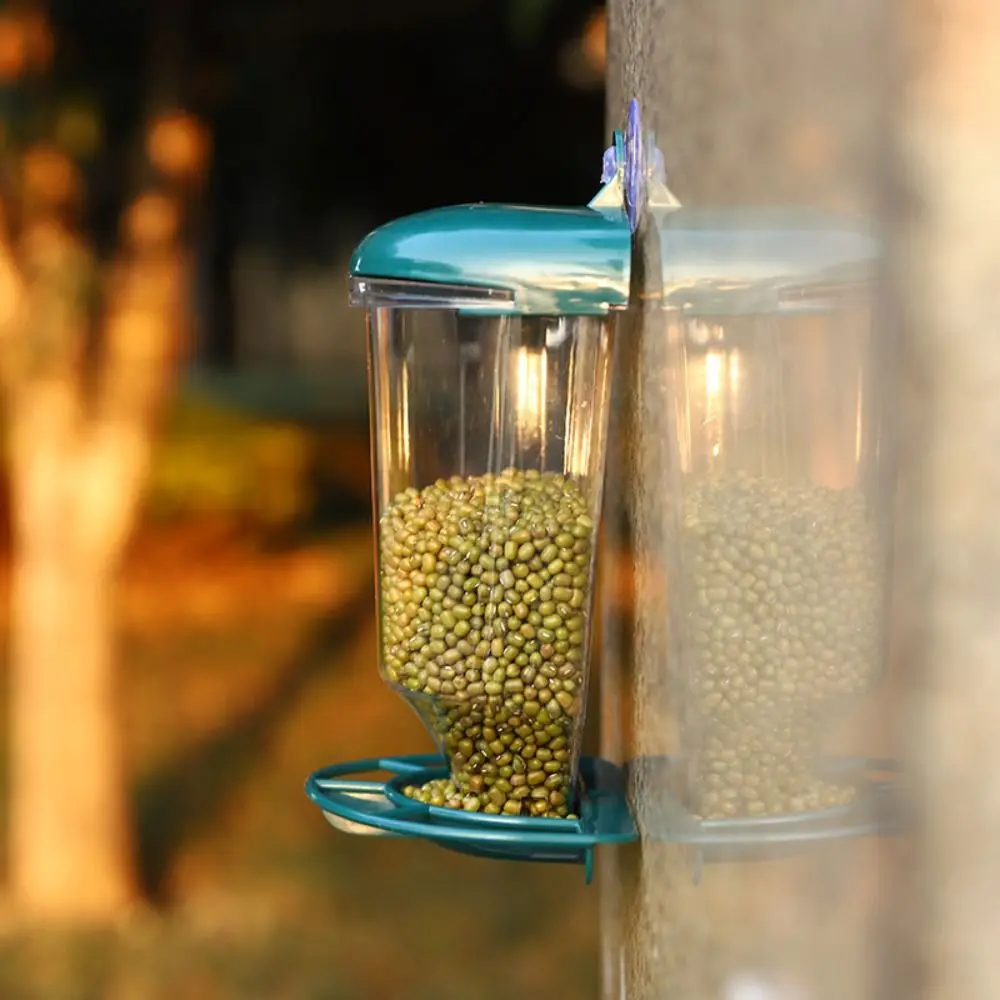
(753, 104)
(85, 387)
(72, 860)
(69, 826)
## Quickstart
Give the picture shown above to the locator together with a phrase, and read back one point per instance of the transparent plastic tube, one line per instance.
(488, 437)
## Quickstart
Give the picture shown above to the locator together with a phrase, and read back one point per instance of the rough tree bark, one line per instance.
(89, 359)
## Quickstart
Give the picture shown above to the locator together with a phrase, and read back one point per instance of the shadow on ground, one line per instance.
(183, 797)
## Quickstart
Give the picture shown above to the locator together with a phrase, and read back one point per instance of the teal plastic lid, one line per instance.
(742, 261)
(520, 260)
(540, 261)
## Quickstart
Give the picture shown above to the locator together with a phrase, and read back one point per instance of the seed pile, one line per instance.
(485, 593)
(784, 607)
(443, 792)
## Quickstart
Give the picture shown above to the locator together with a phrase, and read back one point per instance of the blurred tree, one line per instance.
(88, 351)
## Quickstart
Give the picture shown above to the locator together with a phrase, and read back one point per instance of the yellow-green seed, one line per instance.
(783, 601)
(484, 585)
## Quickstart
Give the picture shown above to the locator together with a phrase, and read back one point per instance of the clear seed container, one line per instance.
(777, 499)
(488, 434)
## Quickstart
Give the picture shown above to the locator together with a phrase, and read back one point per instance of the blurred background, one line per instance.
(213, 471)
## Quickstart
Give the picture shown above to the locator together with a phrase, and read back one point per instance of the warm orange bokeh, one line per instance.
(595, 41)
(152, 221)
(25, 39)
(50, 176)
(178, 145)
(13, 47)
(39, 45)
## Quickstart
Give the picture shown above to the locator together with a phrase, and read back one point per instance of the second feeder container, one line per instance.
(765, 445)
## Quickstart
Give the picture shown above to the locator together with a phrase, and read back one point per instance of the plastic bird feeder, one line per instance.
(490, 345)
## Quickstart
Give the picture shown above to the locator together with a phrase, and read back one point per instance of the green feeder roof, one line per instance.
(548, 261)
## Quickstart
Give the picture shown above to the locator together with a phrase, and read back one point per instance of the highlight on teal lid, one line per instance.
(512, 259)
(753, 260)
(566, 261)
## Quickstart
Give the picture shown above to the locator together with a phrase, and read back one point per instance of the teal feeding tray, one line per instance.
(356, 805)
(365, 806)
(875, 811)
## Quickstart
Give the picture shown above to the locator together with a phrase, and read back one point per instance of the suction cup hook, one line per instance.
(634, 167)
(609, 165)
(634, 179)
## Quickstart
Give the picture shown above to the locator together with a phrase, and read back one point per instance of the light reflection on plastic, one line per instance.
(530, 376)
(713, 393)
(711, 415)
(734, 369)
(557, 333)
(713, 376)
(404, 418)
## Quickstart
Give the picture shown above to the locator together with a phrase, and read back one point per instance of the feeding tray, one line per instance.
(369, 806)
(875, 811)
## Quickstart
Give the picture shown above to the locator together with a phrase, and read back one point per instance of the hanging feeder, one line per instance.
(490, 345)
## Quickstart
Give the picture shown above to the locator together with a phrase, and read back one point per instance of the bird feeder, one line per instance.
(490, 345)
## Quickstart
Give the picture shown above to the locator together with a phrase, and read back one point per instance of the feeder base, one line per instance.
(381, 808)
(875, 811)
(358, 806)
